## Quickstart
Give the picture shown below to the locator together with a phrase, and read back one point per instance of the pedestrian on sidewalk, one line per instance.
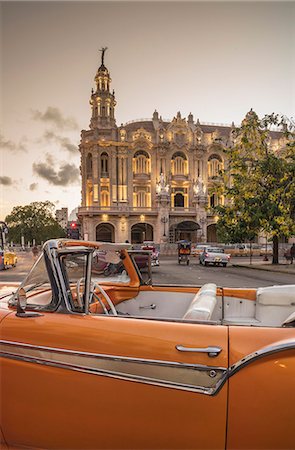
(35, 252)
(292, 253)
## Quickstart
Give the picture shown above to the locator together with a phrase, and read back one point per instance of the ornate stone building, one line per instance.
(149, 179)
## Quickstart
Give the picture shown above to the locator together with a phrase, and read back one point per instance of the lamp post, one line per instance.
(164, 220)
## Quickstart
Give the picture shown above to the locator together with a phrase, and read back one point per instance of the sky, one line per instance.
(213, 59)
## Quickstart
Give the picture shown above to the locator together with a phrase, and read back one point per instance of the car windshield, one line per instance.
(37, 278)
(215, 250)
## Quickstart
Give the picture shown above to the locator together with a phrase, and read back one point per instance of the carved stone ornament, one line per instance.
(141, 134)
(122, 151)
(162, 149)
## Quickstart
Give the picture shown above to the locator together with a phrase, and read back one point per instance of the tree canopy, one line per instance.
(33, 221)
(258, 183)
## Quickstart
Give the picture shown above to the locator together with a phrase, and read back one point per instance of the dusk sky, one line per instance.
(216, 60)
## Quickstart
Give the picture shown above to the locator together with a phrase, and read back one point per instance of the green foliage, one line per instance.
(258, 182)
(33, 221)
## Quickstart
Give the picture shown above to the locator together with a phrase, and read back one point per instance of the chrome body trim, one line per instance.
(196, 378)
(264, 352)
(169, 374)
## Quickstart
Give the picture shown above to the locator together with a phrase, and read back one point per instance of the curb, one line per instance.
(266, 268)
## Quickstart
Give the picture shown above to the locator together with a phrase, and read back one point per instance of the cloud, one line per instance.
(11, 146)
(65, 175)
(54, 116)
(33, 186)
(6, 181)
(64, 142)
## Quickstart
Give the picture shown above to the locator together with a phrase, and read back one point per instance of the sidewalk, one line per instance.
(267, 265)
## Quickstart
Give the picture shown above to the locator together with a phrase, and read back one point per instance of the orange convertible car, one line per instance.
(94, 359)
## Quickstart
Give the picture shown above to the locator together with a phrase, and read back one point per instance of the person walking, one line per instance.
(292, 253)
(35, 251)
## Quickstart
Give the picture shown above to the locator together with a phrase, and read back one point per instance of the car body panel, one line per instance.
(261, 396)
(88, 380)
(90, 404)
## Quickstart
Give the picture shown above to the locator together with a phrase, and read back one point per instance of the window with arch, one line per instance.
(105, 198)
(89, 165)
(104, 165)
(141, 162)
(215, 164)
(142, 198)
(179, 164)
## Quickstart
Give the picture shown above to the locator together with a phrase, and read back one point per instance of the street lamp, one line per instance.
(164, 220)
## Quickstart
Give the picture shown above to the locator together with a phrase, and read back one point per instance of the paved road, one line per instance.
(170, 272)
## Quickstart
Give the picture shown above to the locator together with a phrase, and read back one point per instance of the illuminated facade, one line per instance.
(149, 179)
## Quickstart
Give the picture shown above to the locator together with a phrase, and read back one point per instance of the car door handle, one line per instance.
(152, 306)
(211, 350)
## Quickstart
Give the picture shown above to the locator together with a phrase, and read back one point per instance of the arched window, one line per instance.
(179, 164)
(141, 162)
(215, 165)
(104, 165)
(105, 198)
(89, 165)
(179, 200)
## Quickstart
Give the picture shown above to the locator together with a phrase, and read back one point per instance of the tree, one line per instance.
(258, 183)
(33, 221)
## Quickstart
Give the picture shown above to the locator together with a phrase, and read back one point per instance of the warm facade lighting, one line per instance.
(105, 217)
(142, 217)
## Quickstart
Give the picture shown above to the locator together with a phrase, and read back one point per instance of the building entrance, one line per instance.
(141, 232)
(186, 230)
(105, 232)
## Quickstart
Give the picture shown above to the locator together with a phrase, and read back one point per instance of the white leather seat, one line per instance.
(203, 304)
(274, 304)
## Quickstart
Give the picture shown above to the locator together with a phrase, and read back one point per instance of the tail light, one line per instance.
(228, 256)
(206, 255)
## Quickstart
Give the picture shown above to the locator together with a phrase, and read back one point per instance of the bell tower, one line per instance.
(102, 100)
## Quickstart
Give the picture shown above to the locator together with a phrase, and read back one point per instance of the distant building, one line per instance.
(61, 216)
(150, 178)
(73, 215)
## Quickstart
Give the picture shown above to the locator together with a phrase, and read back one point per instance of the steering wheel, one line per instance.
(107, 298)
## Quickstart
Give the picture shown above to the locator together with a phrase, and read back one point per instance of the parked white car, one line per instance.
(215, 256)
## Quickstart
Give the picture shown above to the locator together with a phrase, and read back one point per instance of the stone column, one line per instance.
(95, 177)
(129, 180)
(113, 178)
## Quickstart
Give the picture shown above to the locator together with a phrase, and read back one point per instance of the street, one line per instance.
(170, 272)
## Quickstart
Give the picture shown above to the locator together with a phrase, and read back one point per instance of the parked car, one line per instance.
(245, 249)
(95, 360)
(150, 246)
(215, 256)
(10, 258)
(196, 250)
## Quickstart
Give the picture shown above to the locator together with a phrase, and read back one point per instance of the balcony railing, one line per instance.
(181, 210)
(116, 209)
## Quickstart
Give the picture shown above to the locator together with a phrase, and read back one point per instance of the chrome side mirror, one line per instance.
(21, 304)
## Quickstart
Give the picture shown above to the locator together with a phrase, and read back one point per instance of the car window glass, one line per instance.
(107, 266)
(74, 267)
(37, 285)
